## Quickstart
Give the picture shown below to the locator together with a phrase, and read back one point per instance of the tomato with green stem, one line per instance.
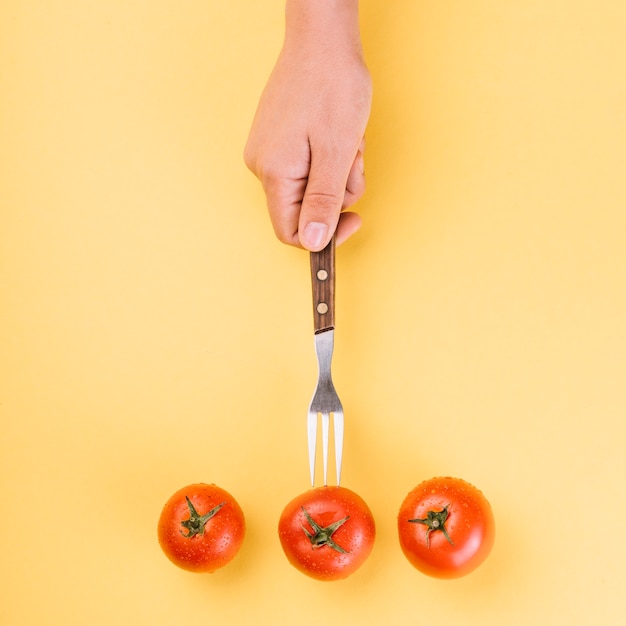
(446, 527)
(327, 532)
(201, 528)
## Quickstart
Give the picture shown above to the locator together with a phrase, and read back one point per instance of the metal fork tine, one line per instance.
(338, 433)
(312, 435)
(337, 425)
(325, 428)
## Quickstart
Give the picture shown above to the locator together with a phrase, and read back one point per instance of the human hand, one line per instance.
(307, 139)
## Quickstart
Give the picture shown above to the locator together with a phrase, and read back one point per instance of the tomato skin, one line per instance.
(327, 506)
(223, 532)
(470, 525)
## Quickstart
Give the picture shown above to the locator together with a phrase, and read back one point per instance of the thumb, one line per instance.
(322, 201)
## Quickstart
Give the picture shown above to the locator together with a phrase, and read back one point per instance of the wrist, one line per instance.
(323, 23)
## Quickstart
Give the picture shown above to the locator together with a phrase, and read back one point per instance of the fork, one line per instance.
(325, 401)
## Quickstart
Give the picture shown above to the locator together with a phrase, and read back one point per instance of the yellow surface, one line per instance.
(154, 333)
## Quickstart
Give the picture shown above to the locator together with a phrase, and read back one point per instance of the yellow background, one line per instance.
(154, 333)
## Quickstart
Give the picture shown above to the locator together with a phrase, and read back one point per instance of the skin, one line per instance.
(209, 542)
(306, 142)
(446, 527)
(327, 532)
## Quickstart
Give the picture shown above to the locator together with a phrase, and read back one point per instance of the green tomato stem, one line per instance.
(323, 536)
(196, 522)
(435, 520)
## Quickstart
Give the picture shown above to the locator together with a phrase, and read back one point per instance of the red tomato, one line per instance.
(446, 527)
(327, 532)
(201, 528)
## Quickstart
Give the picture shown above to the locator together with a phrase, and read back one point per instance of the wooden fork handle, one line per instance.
(323, 281)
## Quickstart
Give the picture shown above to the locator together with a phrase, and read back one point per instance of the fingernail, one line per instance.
(314, 235)
(360, 162)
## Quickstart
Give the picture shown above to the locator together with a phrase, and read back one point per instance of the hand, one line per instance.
(307, 139)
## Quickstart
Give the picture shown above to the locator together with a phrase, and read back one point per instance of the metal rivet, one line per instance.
(322, 308)
(322, 275)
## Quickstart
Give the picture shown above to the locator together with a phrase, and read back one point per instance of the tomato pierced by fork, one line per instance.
(327, 532)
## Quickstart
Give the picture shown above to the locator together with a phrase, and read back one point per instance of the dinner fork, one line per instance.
(325, 401)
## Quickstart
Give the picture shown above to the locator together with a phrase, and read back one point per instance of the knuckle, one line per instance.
(272, 175)
(351, 198)
(285, 235)
(249, 157)
(322, 201)
(356, 187)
